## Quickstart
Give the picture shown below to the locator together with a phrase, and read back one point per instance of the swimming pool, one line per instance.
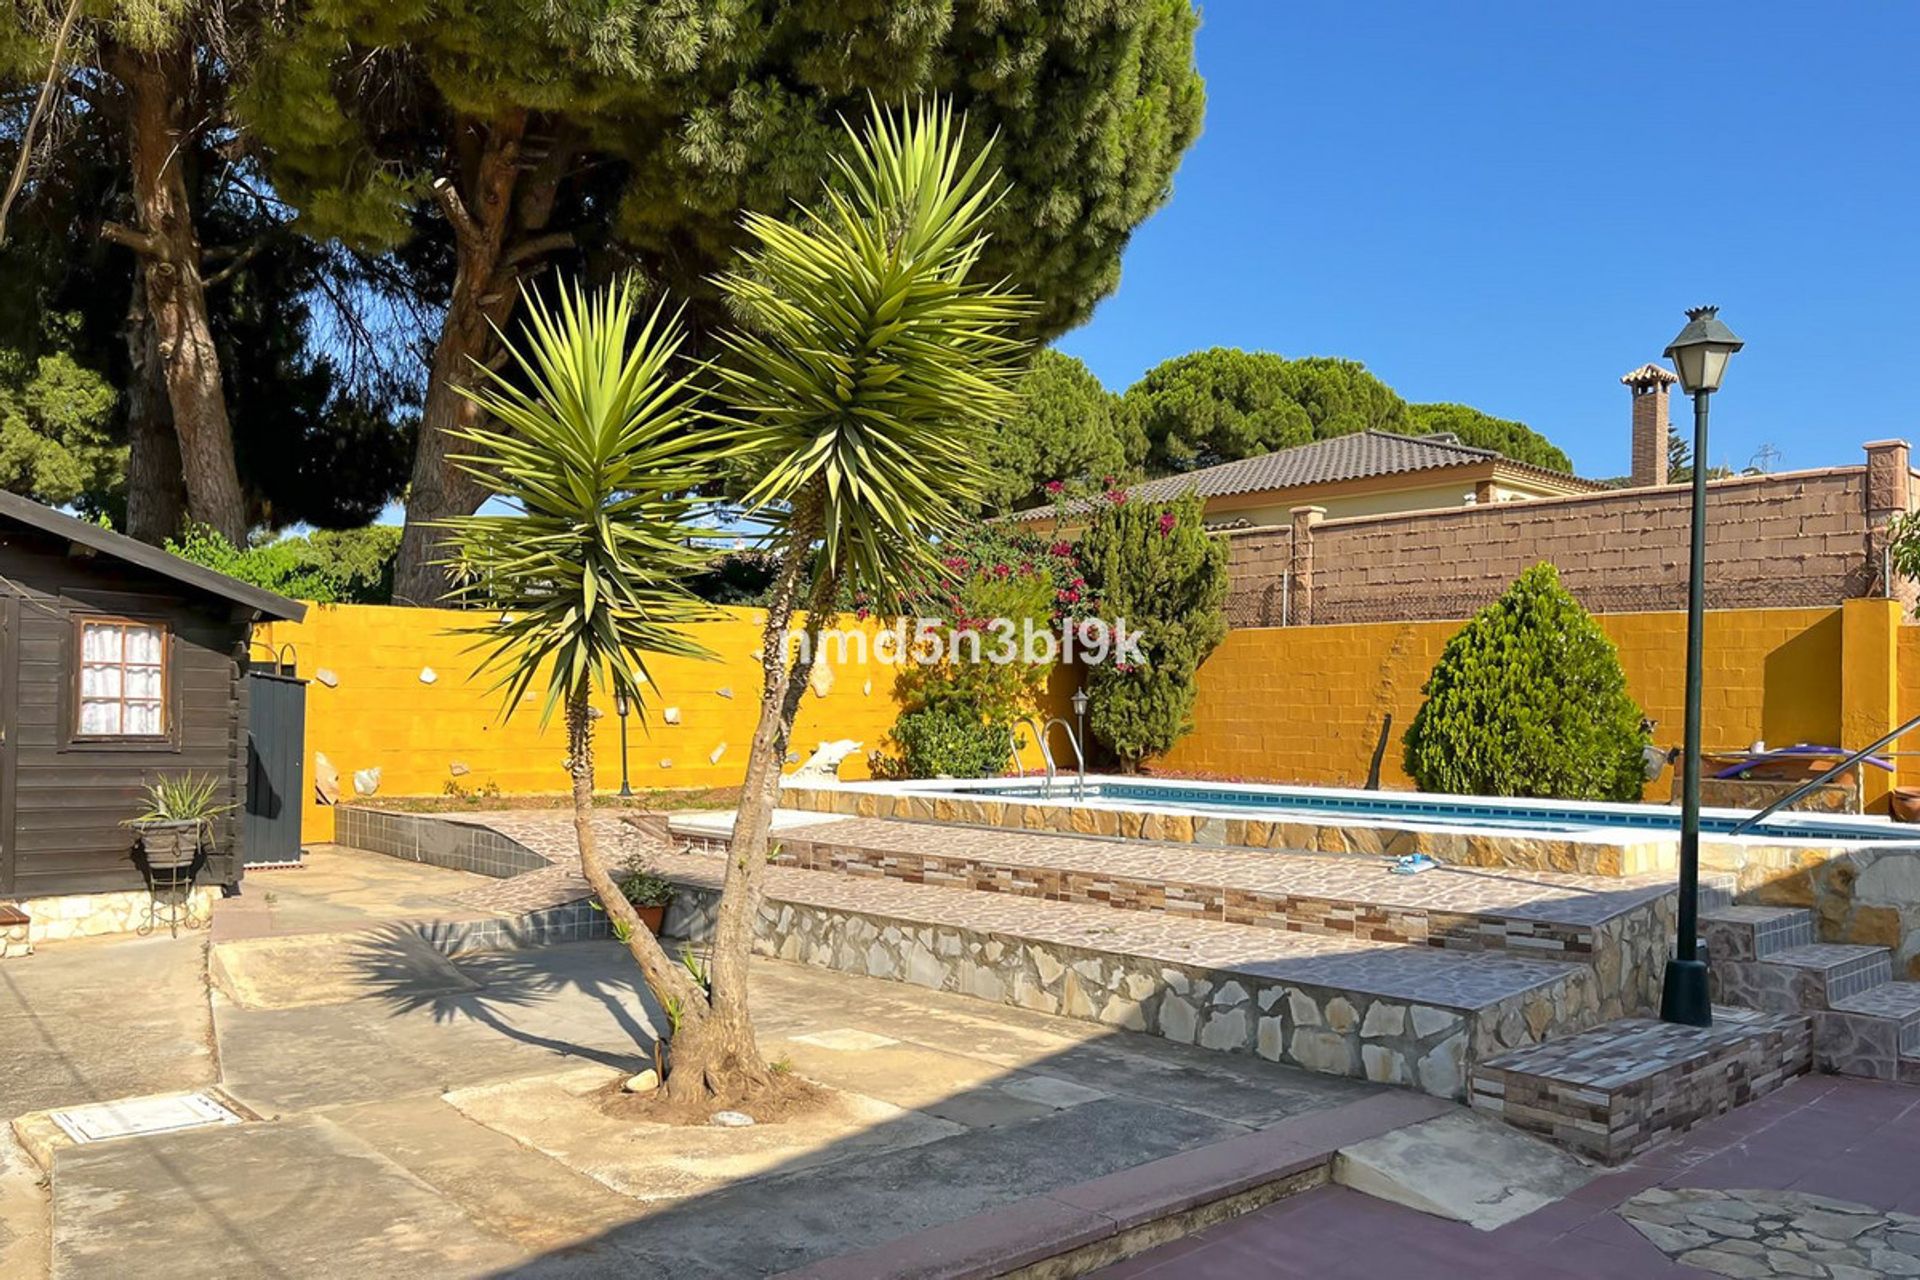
(1546, 835)
(1435, 810)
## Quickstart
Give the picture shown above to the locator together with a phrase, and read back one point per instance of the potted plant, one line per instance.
(174, 823)
(649, 892)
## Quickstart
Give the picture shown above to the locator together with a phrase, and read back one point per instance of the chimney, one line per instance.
(1648, 385)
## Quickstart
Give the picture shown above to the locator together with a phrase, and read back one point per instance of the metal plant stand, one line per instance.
(170, 899)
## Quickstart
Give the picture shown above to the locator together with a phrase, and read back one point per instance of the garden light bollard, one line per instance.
(1699, 355)
(620, 709)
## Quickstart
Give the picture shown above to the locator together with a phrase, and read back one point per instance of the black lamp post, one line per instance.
(620, 709)
(1080, 747)
(1699, 356)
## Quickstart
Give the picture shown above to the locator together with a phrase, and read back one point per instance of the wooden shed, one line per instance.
(119, 664)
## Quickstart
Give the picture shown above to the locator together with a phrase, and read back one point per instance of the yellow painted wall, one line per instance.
(380, 713)
(1304, 704)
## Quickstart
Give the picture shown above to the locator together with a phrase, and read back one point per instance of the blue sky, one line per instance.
(1509, 205)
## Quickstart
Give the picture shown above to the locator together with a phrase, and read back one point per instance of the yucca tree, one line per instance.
(595, 448)
(867, 364)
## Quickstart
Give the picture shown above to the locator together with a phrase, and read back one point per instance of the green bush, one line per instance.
(1155, 569)
(327, 566)
(1528, 699)
(941, 742)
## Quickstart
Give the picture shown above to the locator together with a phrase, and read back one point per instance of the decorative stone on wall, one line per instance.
(1864, 895)
(92, 915)
(1299, 1024)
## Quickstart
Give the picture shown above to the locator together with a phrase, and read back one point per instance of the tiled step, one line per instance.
(1373, 1010)
(1553, 915)
(1754, 933)
(1868, 1034)
(1801, 979)
(1613, 1091)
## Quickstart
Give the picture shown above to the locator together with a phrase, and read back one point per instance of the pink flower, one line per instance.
(1056, 486)
(1167, 521)
(1062, 549)
(1117, 497)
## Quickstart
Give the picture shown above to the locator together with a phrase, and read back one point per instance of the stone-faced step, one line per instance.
(1385, 1012)
(1754, 933)
(1615, 1090)
(1867, 1034)
(1546, 914)
(1801, 979)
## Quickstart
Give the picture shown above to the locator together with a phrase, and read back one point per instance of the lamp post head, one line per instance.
(620, 705)
(1080, 701)
(1701, 350)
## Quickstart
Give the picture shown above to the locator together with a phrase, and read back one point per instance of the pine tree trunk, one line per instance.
(157, 88)
(156, 491)
(499, 210)
(670, 983)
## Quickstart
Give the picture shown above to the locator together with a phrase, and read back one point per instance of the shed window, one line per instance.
(123, 678)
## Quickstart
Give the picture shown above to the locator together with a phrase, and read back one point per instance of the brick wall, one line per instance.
(1799, 539)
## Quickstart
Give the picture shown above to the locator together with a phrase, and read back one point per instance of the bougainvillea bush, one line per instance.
(1528, 699)
(957, 712)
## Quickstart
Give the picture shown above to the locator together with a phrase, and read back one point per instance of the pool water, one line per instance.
(1447, 811)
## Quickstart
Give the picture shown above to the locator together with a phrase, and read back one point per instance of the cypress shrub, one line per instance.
(1528, 699)
(1155, 566)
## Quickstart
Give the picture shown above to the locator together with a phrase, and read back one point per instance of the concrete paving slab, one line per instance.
(104, 1018)
(25, 1217)
(336, 888)
(557, 1115)
(331, 968)
(809, 1214)
(300, 1197)
(505, 1187)
(948, 1085)
(1464, 1166)
(526, 1013)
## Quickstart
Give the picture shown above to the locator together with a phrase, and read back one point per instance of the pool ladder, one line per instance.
(1046, 752)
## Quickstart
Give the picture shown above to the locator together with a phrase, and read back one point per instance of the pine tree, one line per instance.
(1528, 699)
(1154, 568)
(487, 143)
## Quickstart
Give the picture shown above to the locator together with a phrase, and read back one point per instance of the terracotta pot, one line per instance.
(652, 917)
(1904, 804)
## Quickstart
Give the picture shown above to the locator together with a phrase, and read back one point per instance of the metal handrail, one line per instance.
(1040, 740)
(1822, 779)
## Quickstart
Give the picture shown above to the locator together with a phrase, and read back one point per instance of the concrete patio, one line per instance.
(427, 1116)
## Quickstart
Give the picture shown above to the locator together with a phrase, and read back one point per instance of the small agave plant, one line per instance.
(176, 814)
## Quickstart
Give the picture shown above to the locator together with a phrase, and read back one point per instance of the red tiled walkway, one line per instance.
(1849, 1139)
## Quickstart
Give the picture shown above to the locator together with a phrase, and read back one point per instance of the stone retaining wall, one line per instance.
(1335, 1032)
(93, 915)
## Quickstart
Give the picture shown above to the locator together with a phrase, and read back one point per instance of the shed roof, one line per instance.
(32, 515)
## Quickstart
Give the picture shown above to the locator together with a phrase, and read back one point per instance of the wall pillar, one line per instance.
(1870, 686)
(1890, 492)
(1300, 568)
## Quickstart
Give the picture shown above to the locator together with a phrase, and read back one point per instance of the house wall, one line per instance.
(1797, 539)
(62, 803)
(377, 712)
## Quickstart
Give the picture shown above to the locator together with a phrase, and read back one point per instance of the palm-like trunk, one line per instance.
(729, 1055)
(670, 983)
(157, 88)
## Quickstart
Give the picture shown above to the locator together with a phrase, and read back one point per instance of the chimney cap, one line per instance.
(1648, 376)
